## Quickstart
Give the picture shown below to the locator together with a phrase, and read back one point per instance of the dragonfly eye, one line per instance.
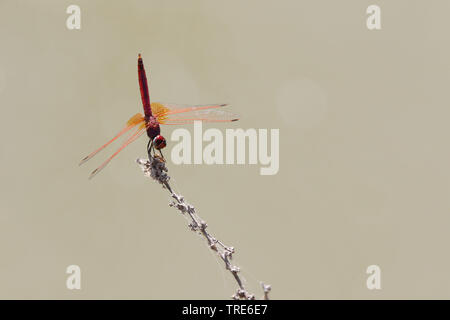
(159, 142)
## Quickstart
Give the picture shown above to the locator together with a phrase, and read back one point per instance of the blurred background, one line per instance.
(363, 118)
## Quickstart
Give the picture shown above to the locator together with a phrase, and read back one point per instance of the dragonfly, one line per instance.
(156, 114)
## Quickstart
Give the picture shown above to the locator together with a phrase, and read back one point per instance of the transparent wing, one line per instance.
(181, 113)
(131, 123)
(139, 131)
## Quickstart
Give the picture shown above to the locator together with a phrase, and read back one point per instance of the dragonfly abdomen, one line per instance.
(143, 85)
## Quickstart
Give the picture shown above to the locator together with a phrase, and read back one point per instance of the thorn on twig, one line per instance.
(235, 269)
(266, 289)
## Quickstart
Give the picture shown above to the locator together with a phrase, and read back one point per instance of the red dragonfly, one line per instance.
(160, 113)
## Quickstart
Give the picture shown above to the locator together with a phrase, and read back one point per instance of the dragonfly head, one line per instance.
(159, 142)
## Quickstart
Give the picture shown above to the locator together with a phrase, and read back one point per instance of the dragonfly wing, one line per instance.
(140, 130)
(134, 120)
(180, 113)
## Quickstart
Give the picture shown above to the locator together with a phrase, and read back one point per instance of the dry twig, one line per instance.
(156, 169)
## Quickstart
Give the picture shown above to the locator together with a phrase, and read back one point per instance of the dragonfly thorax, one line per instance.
(152, 125)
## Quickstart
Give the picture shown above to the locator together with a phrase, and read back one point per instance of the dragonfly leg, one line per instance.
(161, 153)
(149, 148)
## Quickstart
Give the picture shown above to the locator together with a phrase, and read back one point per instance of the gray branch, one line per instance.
(155, 168)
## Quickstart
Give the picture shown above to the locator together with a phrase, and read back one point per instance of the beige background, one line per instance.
(364, 158)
